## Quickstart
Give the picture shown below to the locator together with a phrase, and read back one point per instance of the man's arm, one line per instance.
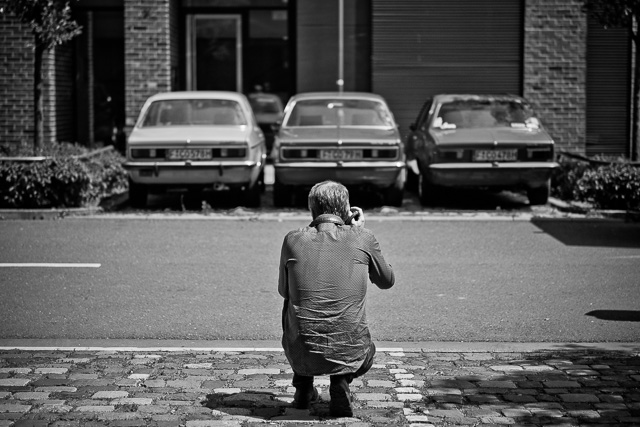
(380, 272)
(283, 287)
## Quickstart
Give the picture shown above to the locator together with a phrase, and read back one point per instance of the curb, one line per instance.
(146, 345)
(102, 211)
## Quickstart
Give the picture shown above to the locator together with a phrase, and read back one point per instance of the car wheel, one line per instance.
(393, 196)
(261, 182)
(427, 192)
(539, 195)
(281, 195)
(137, 195)
(252, 196)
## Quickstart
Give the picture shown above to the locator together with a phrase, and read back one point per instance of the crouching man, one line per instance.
(324, 272)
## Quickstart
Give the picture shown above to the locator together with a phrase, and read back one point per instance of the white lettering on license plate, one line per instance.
(495, 155)
(188, 154)
(340, 154)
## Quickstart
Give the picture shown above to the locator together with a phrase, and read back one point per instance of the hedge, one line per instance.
(62, 176)
(603, 184)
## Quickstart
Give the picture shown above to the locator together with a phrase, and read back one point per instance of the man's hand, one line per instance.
(358, 219)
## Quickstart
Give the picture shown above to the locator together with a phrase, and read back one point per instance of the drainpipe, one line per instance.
(340, 81)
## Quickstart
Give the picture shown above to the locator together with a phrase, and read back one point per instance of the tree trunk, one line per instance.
(38, 101)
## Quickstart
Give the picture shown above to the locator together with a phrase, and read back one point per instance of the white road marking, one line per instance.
(49, 265)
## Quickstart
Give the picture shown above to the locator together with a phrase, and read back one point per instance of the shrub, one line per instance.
(565, 178)
(62, 179)
(615, 186)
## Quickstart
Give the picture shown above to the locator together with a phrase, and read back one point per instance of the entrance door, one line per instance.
(214, 52)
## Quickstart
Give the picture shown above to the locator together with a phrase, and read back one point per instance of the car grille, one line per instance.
(205, 153)
(343, 153)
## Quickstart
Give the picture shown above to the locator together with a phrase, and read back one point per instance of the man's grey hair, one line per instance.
(329, 197)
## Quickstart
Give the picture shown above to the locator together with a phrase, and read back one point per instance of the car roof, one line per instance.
(198, 94)
(337, 95)
(449, 97)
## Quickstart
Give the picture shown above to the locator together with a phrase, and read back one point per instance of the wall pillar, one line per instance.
(147, 53)
(555, 66)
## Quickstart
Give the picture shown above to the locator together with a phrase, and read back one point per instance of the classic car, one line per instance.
(480, 141)
(268, 109)
(196, 141)
(349, 137)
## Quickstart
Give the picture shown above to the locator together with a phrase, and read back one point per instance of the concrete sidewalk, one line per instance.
(140, 383)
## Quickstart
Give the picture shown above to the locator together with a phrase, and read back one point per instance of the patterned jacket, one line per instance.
(325, 269)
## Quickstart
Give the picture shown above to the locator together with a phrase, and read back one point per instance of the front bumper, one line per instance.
(380, 174)
(529, 174)
(241, 173)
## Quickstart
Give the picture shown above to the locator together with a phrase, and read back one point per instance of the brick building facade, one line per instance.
(154, 43)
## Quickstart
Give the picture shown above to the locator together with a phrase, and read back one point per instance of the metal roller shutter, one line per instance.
(608, 95)
(424, 47)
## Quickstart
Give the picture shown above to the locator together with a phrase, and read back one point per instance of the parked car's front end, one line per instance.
(195, 141)
(350, 138)
(482, 141)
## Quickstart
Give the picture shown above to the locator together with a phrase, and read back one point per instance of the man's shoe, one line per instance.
(302, 399)
(340, 403)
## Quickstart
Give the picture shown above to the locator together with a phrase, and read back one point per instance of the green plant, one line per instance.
(62, 179)
(615, 186)
(565, 177)
(54, 182)
(107, 176)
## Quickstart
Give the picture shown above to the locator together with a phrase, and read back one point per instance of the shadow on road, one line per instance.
(616, 315)
(461, 200)
(591, 233)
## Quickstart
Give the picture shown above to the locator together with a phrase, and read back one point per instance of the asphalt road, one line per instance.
(526, 281)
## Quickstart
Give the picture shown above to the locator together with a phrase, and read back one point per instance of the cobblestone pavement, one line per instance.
(86, 387)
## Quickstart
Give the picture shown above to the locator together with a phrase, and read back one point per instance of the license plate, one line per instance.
(188, 154)
(340, 154)
(495, 155)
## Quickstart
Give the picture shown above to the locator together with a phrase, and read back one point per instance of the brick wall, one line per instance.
(555, 68)
(16, 82)
(147, 52)
(16, 88)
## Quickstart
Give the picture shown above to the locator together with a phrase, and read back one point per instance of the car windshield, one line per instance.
(465, 114)
(345, 112)
(194, 112)
(265, 105)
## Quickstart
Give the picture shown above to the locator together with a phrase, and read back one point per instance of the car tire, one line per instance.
(137, 195)
(252, 196)
(281, 195)
(539, 195)
(427, 192)
(393, 196)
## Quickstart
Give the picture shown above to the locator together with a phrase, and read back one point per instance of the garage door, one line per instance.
(608, 94)
(424, 47)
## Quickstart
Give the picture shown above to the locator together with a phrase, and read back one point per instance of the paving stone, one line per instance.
(109, 394)
(373, 396)
(258, 371)
(579, 397)
(51, 370)
(14, 407)
(33, 395)
(96, 408)
(14, 382)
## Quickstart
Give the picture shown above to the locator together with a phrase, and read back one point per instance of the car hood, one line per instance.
(490, 136)
(173, 134)
(331, 135)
